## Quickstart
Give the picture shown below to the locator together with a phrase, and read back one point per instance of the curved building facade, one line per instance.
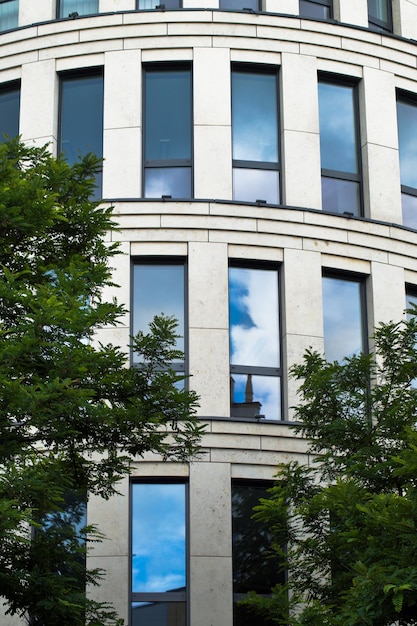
(262, 162)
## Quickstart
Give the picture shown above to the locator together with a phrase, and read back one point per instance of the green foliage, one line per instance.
(72, 415)
(351, 514)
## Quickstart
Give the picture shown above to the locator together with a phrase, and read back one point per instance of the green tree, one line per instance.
(72, 414)
(350, 514)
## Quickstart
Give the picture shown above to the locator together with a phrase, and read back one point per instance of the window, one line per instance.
(168, 132)
(240, 5)
(9, 110)
(9, 14)
(255, 135)
(339, 147)
(159, 287)
(321, 9)
(407, 139)
(380, 15)
(344, 317)
(156, 4)
(81, 117)
(159, 553)
(254, 343)
(82, 7)
(252, 569)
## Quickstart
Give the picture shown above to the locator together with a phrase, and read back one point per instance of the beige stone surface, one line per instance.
(208, 286)
(211, 581)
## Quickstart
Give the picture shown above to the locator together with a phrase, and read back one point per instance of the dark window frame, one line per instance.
(8, 88)
(273, 372)
(361, 280)
(385, 26)
(343, 81)
(272, 70)
(324, 3)
(183, 367)
(169, 596)
(167, 163)
(60, 8)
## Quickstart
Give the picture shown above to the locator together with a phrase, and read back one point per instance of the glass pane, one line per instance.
(253, 317)
(311, 9)
(158, 538)
(255, 396)
(407, 137)
(378, 9)
(159, 614)
(82, 7)
(343, 318)
(254, 117)
(158, 289)
(339, 196)
(168, 115)
(409, 204)
(243, 616)
(238, 5)
(9, 14)
(252, 570)
(337, 128)
(81, 121)
(9, 112)
(152, 4)
(250, 185)
(168, 181)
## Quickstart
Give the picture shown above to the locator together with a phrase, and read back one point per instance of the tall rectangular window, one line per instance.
(255, 370)
(344, 317)
(82, 7)
(339, 148)
(81, 117)
(322, 9)
(255, 134)
(253, 569)
(159, 288)
(168, 132)
(9, 110)
(9, 14)
(380, 15)
(407, 139)
(159, 553)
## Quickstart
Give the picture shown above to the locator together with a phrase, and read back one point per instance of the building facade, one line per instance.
(262, 162)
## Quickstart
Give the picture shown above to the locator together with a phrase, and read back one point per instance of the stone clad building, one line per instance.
(261, 156)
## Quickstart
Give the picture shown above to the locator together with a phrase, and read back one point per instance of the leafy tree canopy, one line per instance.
(72, 415)
(350, 512)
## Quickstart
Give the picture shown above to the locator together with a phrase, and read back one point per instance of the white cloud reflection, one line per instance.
(342, 313)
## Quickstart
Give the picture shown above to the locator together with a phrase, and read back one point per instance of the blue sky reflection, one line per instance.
(342, 312)
(337, 127)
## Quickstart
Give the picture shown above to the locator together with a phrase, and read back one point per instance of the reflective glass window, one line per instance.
(240, 5)
(159, 571)
(81, 117)
(322, 9)
(339, 148)
(343, 317)
(380, 14)
(153, 4)
(254, 343)
(158, 288)
(9, 110)
(255, 135)
(407, 139)
(168, 133)
(253, 569)
(9, 14)
(82, 7)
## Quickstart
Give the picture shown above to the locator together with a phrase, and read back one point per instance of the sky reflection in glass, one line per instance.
(340, 195)
(311, 9)
(266, 391)
(168, 181)
(250, 185)
(342, 312)
(158, 537)
(82, 7)
(238, 5)
(409, 206)
(9, 14)
(158, 289)
(379, 9)
(407, 137)
(337, 128)
(254, 117)
(9, 112)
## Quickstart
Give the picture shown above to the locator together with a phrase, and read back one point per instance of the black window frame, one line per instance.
(180, 261)
(2, 30)
(273, 372)
(361, 281)
(375, 23)
(324, 3)
(60, 8)
(167, 163)
(409, 99)
(256, 69)
(168, 596)
(342, 81)
(10, 88)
